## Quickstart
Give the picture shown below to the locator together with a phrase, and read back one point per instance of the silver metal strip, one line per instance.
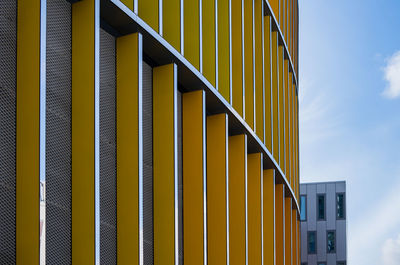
(204, 179)
(216, 43)
(262, 209)
(140, 145)
(160, 17)
(254, 70)
(274, 221)
(176, 163)
(201, 36)
(227, 185)
(230, 53)
(263, 69)
(135, 6)
(182, 29)
(97, 127)
(42, 127)
(246, 199)
(243, 67)
(270, 84)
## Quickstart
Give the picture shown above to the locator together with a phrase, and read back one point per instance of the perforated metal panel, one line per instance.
(180, 180)
(58, 133)
(8, 24)
(108, 199)
(148, 164)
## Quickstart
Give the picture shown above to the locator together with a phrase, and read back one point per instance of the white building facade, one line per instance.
(323, 223)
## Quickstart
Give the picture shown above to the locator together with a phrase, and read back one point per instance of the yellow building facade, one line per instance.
(149, 132)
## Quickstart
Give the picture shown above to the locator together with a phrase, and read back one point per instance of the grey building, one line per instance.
(323, 223)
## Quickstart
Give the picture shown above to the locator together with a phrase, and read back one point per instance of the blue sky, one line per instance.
(350, 116)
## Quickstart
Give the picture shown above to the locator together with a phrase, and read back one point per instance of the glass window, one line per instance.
(321, 263)
(331, 241)
(304, 263)
(303, 210)
(341, 263)
(340, 206)
(311, 242)
(321, 207)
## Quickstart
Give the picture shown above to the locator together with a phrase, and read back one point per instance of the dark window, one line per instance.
(321, 207)
(304, 263)
(341, 263)
(303, 209)
(340, 211)
(331, 242)
(321, 263)
(312, 238)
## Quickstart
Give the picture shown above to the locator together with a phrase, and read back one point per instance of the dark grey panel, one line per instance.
(58, 133)
(8, 30)
(108, 184)
(148, 164)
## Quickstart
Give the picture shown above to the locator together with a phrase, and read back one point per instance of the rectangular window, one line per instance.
(340, 206)
(341, 263)
(321, 206)
(303, 209)
(331, 242)
(321, 263)
(312, 238)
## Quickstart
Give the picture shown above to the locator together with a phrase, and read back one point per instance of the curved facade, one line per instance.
(158, 131)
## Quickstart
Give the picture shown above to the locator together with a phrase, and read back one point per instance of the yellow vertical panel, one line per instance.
(268, 83)
(223, 49)
(148, 11)
(288, 231)
(191, 27)
(83, 230)
(280, 224)
(164, 171)
(275, 95)
(217, 141)
(286, 119)
(269, 215)
(258, 22)
(290, 29)
(172, 22)
(275, 8)
(294, 237)
(193, 110)
(290, 134)
(254, 176)
(237, 59)
(237, 203)
(127, 69)
(297, 139)
(248, 63)
(209, 47)
(281, 97)
(282, 22)
(129, 3)
(27, 132)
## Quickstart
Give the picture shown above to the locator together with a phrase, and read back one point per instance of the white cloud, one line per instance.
(392, 76)
(391, 251)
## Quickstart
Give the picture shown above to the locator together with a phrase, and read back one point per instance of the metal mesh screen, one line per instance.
(8, 30)
(108, 199)
(58, 133)
(148, 164)
(180, 180)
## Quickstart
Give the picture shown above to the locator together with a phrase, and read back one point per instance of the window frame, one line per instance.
(324, 196)
(327, 239)
(344, 206)
(308, 242)
(305, 206)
